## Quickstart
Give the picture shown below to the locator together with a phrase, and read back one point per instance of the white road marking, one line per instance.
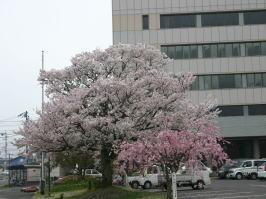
(204, 192)
(212, 194)
(257, 185)
(247, 196)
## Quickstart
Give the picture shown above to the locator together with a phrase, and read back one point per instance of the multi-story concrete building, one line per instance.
(223, 42)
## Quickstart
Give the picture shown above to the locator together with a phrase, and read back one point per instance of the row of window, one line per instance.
(248, 80)
(239, 110)
(212, 19)
(215, 50)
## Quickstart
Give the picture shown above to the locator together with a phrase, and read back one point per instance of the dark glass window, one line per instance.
(177, 21)
(250, 80)
(186, 52)
(221, 50)
(226, 81)
(206, 49)
(231, 111)
(236, 50)
(207, 82)
(258, 80)
(179, 52)
(201, 83)
(253, 49)
(228, 50)
(194, 51)
(195, 84)
(238, 81)
(259, 109)
(145, 22)
(171, 52)
(264, 79)
(255, 17)
(219, 19)
(263, 48)
(215, 82)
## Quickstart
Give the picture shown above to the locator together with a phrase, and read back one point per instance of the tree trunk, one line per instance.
(168, 185)
(107, 165)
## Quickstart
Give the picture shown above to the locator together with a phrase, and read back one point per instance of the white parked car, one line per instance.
(262, 172)
(93, 173)
(248, 169)
(154, 177)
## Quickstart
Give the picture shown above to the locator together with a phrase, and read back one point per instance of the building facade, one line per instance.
(223, 42)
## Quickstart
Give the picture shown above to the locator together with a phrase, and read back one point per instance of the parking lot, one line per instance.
(227, 189)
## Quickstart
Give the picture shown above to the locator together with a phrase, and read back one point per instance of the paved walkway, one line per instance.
(14, 193)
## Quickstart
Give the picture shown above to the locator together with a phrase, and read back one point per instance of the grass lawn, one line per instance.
(72, 188)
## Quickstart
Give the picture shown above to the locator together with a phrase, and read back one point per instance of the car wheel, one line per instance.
(135, 185)
(198, 185)
(253, 176)
(147, 185)
(227, 176)
(239, 176)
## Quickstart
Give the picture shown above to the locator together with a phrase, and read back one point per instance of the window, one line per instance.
(145, 22)
(194, 51)
(258, 80)
(247, 164)
(201, 83)
(181, 51)
(214, 50)
(257, 109)
(264, 79)
(195, 84)
(253, 49)
(231, 111)
(177, 21)
(221, 50)
(255, 17)
(206, 49)
(207, 82)
(215, 81)
(219, 19)
(238, 81)
(226, 81)
(250, 80)
(263, 48)
(236, 50)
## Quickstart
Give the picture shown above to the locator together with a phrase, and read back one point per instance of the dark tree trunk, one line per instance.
(168, 185)
(107, 165)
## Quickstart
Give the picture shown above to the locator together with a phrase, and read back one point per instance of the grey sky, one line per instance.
(62, 28)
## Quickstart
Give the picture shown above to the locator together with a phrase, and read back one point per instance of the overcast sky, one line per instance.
(62, 28)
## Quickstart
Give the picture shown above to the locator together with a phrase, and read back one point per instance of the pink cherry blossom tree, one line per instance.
(171, 148)
(107, 97)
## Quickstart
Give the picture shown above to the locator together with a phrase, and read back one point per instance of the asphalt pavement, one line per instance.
(14, 193)
(227, 189)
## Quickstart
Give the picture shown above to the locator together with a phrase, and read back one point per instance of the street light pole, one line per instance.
(42, 164)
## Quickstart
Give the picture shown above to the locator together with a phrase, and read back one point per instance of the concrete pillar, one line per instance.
(256, 149)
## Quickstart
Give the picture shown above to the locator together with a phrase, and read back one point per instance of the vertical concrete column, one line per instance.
(256, 149)
(198, 21)
(241, 19)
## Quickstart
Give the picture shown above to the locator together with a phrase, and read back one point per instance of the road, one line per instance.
(14, 193)
(227, 189)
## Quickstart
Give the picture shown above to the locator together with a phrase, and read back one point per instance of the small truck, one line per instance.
(154, 177)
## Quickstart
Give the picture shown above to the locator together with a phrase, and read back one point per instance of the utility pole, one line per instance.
(42, 164)
(9, 174)
(26, 116)
(5, 148)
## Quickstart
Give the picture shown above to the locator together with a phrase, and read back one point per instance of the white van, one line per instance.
(248, 169)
